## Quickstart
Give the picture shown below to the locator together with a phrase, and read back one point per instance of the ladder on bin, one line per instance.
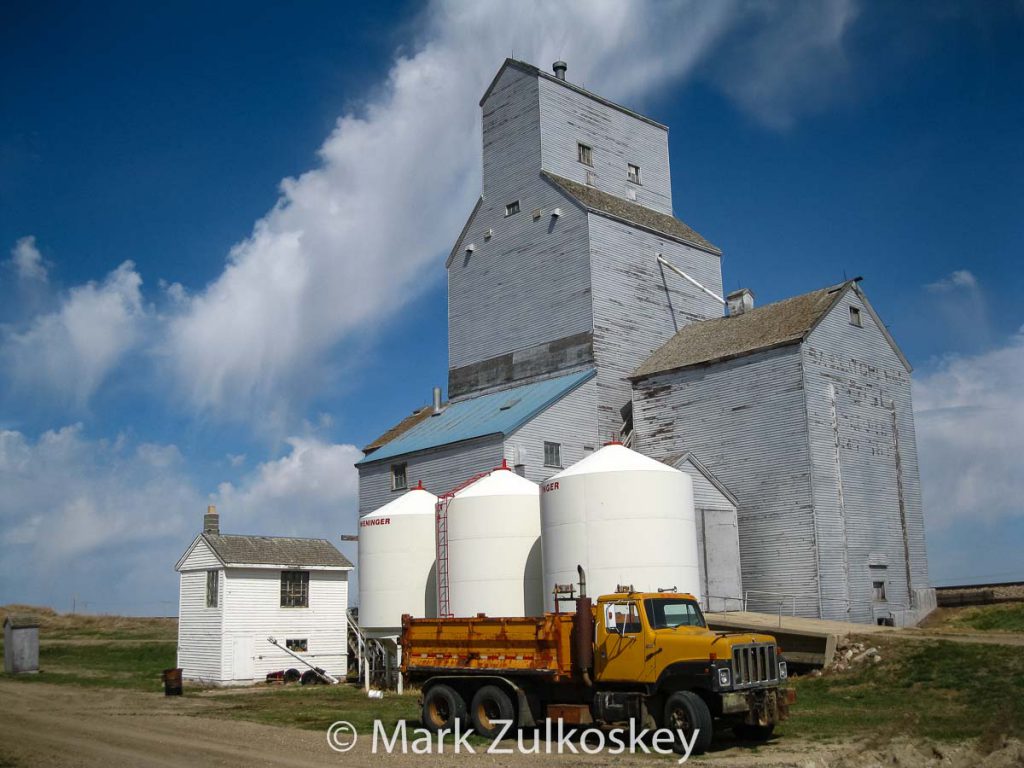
(444, 601)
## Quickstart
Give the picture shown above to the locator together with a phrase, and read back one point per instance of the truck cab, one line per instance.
(656, 649)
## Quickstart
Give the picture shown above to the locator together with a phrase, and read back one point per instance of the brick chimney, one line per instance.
(211, 520)
(740, 301)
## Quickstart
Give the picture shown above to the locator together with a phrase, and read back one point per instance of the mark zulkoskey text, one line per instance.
(553, 738)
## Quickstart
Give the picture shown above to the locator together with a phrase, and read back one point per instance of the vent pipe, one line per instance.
(560, 67)
(211, 520)
(437, 401)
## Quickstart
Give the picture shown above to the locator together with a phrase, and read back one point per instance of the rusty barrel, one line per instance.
(172, 682)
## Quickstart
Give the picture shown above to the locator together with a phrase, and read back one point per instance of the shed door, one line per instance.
(722, 578)
(243, 665)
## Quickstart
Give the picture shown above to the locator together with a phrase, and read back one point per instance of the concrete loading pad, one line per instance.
(803, 641)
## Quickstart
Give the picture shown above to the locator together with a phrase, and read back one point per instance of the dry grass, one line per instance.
(998, 617)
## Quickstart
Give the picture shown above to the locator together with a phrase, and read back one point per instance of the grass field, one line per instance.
(1001, 617)
(934, 689)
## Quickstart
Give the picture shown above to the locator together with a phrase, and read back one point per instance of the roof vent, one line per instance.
(437, 402)
(740, 301)
(211, 520)
(559, 67)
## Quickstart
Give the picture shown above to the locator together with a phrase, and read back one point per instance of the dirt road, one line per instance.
(50, 725)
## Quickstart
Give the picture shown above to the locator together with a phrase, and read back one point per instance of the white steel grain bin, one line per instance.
(494, 559)
(625, 518)
(396, 563)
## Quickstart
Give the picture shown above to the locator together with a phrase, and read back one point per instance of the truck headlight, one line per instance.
(783, 671)
(724, 678)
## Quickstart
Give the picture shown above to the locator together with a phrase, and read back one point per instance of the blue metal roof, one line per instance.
(497, 413)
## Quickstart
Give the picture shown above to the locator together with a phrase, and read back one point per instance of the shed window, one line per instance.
(633, 173)
(212, 588)
(512, 208)
(299, 645)
(585, 154)
(855, 317)
(552, 454)
(399, 480)
(294, 589)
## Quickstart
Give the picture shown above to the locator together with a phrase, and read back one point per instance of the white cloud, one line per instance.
(351, 241)
(106, 521)
(28, 261)
(958, 279)
(969, 414)
(70, 351)
(786, 59)
(311, 491)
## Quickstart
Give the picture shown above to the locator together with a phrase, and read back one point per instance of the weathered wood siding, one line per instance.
(440, 469)
(718, 543)
(571, 422)
(199, 627)
(529, 282)
(252, 609)
(617, 139)
(639, 305)
(856, 500)
(747, 421)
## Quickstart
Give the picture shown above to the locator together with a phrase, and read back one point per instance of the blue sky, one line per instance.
(223, 232)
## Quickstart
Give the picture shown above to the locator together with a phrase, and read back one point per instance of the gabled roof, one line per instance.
(497, 413)
(236, 550)
(638, 215)
(773, 325)
(677, 461)
(530, 69)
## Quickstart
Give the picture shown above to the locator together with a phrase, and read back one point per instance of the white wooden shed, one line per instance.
(236, 591)
(718, 539)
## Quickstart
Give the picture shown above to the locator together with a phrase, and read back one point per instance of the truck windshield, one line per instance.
(672, 612)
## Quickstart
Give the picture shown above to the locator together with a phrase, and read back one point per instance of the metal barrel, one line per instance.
(172, 682)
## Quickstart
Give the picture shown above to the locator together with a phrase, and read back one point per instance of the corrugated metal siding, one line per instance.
(638, 305)
(440, 470)
(199, 627)
(252, 608)
(866, 375)
(746, 419)
(529, 283)
(567, 117)
(571, 422)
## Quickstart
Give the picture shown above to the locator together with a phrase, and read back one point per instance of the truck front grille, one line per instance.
(755, 664)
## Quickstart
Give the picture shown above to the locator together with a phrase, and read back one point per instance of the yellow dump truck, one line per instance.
(642, 657)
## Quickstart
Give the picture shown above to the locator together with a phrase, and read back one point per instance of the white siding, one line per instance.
(252, 609)
(199, 627)
(440, 469)
(866, 374)
(617, 138)
(746, 419)
(571, 422)
(528, 283)
(639, 305)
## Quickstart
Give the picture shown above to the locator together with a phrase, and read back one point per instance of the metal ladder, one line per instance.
(444, 602)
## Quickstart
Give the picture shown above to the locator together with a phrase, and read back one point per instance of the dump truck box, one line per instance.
(540, 646)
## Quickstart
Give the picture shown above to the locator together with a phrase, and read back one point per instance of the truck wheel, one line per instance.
(442, 706)
(757, 733)
(489, 704)
(686, 711)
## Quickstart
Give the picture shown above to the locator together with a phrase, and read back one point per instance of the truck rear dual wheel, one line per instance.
(442, 706)
(686, 711)
(490, 704)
